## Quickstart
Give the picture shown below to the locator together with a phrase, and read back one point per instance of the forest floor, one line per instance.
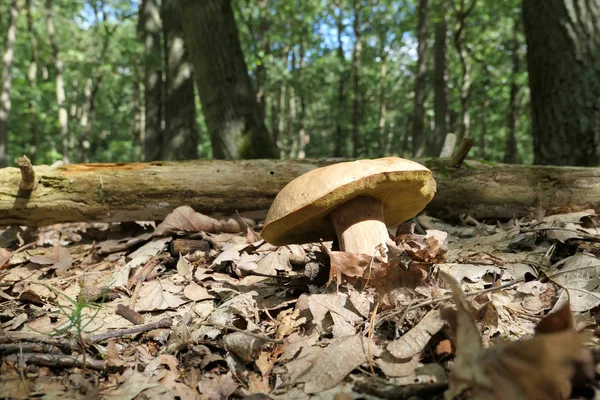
(134, 310)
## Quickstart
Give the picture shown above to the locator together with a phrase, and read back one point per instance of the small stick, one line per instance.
(141, 276)
(99, 337)
(27, 183)
(448, 297)
(55, 360)
(461, 153)
(255, 335)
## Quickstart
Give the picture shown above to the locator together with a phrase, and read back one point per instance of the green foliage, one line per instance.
(273, 34)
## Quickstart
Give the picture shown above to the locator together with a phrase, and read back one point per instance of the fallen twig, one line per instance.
(99, 337)
(56, 360)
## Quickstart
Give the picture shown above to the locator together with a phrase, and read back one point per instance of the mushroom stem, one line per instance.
(360, 226)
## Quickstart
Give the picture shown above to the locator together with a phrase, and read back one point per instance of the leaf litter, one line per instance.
(203, 308)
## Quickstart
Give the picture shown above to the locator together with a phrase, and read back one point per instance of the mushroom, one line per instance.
(351, 200)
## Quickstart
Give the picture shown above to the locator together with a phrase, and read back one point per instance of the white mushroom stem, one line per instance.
(360, 227)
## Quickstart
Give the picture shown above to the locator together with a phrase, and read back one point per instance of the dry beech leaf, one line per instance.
(185, 219)
(466, 372)
(59, 258)
(337, 361)
(217, 388)
(154, 296)
(195, 292)
(534, 369)
(5, 256)
(579, 275)
(417, 338)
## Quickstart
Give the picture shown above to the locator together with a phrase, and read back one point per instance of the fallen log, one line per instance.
(149, 191)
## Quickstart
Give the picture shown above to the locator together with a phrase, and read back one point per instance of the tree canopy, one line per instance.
(335, 78)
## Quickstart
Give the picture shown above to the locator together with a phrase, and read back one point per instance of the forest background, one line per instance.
(113, 80)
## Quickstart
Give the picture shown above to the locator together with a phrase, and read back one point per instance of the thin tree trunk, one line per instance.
(181, 129)
(383, 145)
(303, 137)
(32, 80)
(5, 101)
(151, 31)
(290, 139)
(265, 50)
(356, 119)
(340, 136)
(60, 85)
(138, 120)
(465, 65)
(418, 125)
(511, 151)
(233, 116)
(483, 135)
(440, 82)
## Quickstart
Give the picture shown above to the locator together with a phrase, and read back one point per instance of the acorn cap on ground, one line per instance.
(300, 212)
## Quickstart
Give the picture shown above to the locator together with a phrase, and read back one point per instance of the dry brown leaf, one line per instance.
(58, 257)
(5, 256)
(195, 292)
(352, 265)
(217, 388)
(536, 369)
(412, 342)
(184, 219)
(337, 361)
(157, 295)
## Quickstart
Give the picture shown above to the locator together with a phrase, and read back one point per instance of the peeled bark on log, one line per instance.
(149, 191)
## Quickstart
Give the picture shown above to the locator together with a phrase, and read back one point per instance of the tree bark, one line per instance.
(440, 83)
(7, 60)
(356, 119)
(383, 137)
(32, 80)
(462, 12)
(121, 192)
(233, 115)
(150, 33)
(563, 49)
(63, 119)
(511, 151)
(180, 140)
(291, 125)
(339, 149)
(418, 125)
(303, 137)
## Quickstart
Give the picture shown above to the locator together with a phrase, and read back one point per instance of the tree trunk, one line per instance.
(356, 80)
(564, 79)
(120, 192)
(233, 116)
(303, 137)
(264, 46)
(418, 125)
(465, 65)
(339, 149)
(440, 83)
(383, 142)
(511, 151)
(290, 137)
(180, 140)
(7, 60)
(485, 108)
(32, 80)
(92, 87)
(60, 85)
(150, 32)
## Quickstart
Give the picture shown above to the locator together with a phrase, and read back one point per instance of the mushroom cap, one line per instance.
(300, 212)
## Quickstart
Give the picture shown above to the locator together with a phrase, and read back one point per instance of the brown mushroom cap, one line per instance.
(300, 212)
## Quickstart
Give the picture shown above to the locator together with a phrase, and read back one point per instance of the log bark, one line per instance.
(149, 191)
